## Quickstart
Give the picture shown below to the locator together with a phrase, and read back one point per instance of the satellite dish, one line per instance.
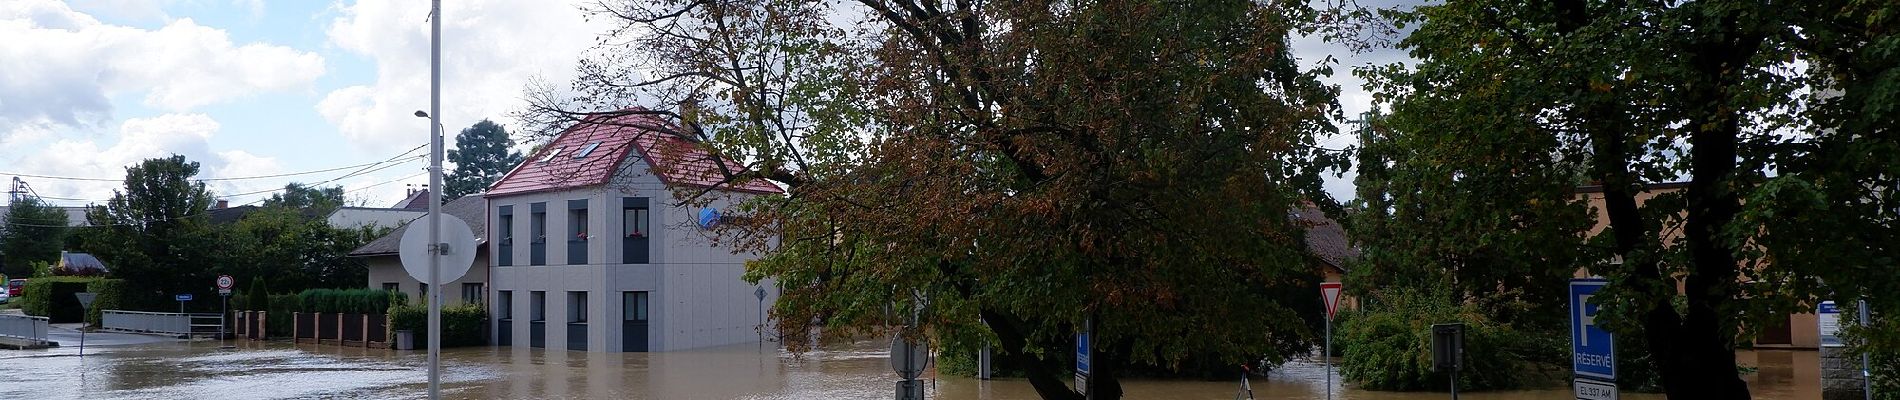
(708, 217)
(414, 250)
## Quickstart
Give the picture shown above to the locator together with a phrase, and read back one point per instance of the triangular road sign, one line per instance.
(1330, 291)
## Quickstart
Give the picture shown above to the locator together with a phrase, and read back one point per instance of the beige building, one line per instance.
(1797, 330)
(385, 267)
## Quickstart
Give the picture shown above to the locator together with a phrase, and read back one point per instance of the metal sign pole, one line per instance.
(1328, 356)
(1866, 373)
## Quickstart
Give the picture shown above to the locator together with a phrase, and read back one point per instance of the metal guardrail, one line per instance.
(154, 322)
(23, 327)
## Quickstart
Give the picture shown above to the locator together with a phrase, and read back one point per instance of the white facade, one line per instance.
(694, 293)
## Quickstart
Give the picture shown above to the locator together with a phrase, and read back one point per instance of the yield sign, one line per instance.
(1330, 290)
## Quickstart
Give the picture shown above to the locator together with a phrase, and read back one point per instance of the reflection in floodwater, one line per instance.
(282, 370)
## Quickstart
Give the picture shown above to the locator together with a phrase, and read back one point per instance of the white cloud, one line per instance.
(490, 50)
(62, 67)
(140, 139)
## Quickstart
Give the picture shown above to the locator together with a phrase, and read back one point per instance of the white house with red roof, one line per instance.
(590, 252)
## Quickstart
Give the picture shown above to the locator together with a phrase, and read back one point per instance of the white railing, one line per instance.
(24, 327)
(146, 322)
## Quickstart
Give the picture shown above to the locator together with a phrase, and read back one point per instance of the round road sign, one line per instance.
(225, 282)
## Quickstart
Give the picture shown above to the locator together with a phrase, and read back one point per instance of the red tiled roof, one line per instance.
(675, 160)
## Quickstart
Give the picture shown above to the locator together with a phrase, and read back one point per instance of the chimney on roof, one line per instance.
(222, 204)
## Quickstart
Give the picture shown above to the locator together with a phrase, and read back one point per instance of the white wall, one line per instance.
(697, 298)
(388, 268)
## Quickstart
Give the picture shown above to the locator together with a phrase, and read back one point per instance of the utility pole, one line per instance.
(435, 199)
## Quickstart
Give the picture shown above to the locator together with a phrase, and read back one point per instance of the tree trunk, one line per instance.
(1044, 377)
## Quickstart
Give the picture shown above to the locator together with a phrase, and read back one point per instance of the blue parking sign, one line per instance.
(1593, 350)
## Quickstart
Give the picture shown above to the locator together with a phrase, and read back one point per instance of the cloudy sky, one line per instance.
(253, 88)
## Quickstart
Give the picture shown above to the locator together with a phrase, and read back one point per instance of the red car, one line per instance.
(16, 287)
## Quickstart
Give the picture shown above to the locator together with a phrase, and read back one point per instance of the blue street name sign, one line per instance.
(1593, 350)
(1829, 317)
(183, 297)
(1082, 352)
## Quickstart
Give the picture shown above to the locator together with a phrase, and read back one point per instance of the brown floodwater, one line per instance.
(201, 370)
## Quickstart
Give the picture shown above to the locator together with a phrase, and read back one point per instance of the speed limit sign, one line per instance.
(224, 284)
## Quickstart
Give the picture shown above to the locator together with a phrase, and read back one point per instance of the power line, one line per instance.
(236, 178)
(372, 167)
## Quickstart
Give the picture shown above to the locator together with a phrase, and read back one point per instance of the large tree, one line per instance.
(1774, 112)
(481, 155)
(1000, 170)
(317, 201)
(34, 231)
(155, 232)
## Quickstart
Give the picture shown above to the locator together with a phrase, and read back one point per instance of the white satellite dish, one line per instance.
(414, 250)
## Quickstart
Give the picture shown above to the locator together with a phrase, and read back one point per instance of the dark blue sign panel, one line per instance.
(1593, 350)
(1082, 353)
(183, 297)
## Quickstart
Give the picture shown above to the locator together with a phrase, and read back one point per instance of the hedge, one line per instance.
(463, 325)
(357, 301)
(1387, 346)
(52, 297)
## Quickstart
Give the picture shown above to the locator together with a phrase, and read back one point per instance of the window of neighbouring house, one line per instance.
(423, 289)
(537, 306)
(576, 306)
(636, 225)
(392, 286)
(505, 304)
(471, 293)
(577, 222)
(634, 306)
(505, 237)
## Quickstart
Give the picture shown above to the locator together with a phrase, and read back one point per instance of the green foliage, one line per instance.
(1388, 347)
(358, 301)
(295, 247)
(462, 325)
(481, 156)
(155, 231)
(34, 232)
(1879, 342)
(280, 314)
(313, 200)
(257, 297)
(109, 295)
(1138, 172)
(1780, 115)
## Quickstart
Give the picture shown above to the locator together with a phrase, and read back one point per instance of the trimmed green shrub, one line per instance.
(1387, 346)
(357, 301)
(462, 325)
(256, 297)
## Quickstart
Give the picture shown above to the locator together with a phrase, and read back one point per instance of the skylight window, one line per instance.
(552, 155)
(586, 150)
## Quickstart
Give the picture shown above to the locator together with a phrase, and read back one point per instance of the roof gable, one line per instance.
(592, 151)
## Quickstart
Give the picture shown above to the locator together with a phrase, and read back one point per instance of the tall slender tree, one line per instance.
(481, 156)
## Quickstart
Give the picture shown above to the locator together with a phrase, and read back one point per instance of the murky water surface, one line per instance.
(280, 370)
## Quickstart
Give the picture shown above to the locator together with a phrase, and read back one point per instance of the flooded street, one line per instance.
(201, 370)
